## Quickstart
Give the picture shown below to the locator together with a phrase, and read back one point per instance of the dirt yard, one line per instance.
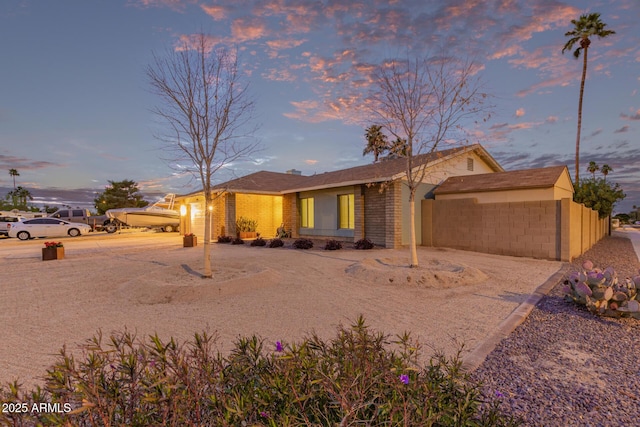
(148, 283)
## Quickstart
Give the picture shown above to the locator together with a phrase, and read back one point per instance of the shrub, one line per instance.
(303, 244)
(224, 239)
(352, 379)
(332, 245)
(276, 243)
(602, 293)
(258, 242)
(246, 225)
(363, 244)
(237, 241)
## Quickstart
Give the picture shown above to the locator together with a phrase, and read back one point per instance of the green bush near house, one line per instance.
(359, 377)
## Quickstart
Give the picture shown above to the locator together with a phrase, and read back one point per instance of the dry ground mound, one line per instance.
(434, 273)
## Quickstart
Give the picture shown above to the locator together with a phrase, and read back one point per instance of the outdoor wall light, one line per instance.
(183, 210)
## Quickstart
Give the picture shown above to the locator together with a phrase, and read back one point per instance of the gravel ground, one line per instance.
(566, 367)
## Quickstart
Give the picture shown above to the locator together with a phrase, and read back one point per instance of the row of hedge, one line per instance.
(358, 378)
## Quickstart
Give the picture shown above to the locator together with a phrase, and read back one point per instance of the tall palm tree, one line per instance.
(14, 173)
(605, 169)
(376, 142)
(593, 168)
(587, 26)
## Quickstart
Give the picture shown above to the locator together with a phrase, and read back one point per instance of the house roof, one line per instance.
(388, 170)
(512, 180)
(265, 182)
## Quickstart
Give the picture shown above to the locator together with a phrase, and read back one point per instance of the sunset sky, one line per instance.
(75, 103)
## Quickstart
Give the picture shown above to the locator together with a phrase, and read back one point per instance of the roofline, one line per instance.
(565, 170)
(479, 149)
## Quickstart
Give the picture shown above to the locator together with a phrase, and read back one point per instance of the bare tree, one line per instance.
(207, 110)
(425, 102)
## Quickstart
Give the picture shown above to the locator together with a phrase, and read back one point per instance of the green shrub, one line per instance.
(237, 241)
(332, 245)
(276, 243)
(360, 377)
(224, 239)
(303, 244)
(258, 242)
(363, 244)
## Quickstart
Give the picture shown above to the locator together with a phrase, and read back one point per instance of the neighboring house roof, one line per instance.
(513, 180)
(264, 182)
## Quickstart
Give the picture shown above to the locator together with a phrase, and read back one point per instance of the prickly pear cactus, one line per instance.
(603, 293)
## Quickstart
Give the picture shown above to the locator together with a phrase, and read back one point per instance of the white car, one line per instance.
(46, 227)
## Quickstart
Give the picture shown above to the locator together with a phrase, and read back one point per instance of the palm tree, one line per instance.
(19, 197)
(587, 26)
(376, 142)
(14, 173)
(605, 169)
(593, 168)
(398, 148)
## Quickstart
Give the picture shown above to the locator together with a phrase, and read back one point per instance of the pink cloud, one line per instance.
(246, 29)
(217, 12)
(520, 112)
(632, 116)
(191, 41)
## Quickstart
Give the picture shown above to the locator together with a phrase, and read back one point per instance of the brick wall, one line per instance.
(374, 213)
(289, 213)
(393, 215)
(550, 229)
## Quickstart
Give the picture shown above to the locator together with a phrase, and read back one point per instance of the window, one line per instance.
(469, 164)
(306, 212)
(78, 212)
(346, 211)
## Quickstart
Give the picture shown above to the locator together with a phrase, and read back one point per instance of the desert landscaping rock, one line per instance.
(567, 367)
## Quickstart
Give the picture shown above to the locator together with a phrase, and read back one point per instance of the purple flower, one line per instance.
(264, 414)
(279, 346)
(498, 394)
(404, 378)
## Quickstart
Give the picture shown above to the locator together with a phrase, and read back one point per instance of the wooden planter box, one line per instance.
(189, 241)
(52, 253)
(248, 234)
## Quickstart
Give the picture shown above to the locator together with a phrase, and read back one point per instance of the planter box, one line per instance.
(248, 234)
(189, 241)
(52, 253)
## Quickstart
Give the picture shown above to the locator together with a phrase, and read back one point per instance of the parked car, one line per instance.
(97, 222)
(46, 227)
(4, 224)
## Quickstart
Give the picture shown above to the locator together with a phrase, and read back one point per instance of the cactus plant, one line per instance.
(602, 292)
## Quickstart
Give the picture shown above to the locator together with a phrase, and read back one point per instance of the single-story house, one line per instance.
(364, 201)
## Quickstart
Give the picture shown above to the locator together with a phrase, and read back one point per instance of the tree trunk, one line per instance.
(584, 76)
(208, 213)
(412, 228)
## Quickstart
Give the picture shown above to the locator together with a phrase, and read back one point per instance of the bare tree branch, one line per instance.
(426, 102)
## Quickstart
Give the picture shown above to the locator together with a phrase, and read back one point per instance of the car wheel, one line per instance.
(74, 232)
(23, 235)
(168, 228)
(110, 228)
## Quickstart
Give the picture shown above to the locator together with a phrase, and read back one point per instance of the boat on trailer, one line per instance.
(159, 215)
